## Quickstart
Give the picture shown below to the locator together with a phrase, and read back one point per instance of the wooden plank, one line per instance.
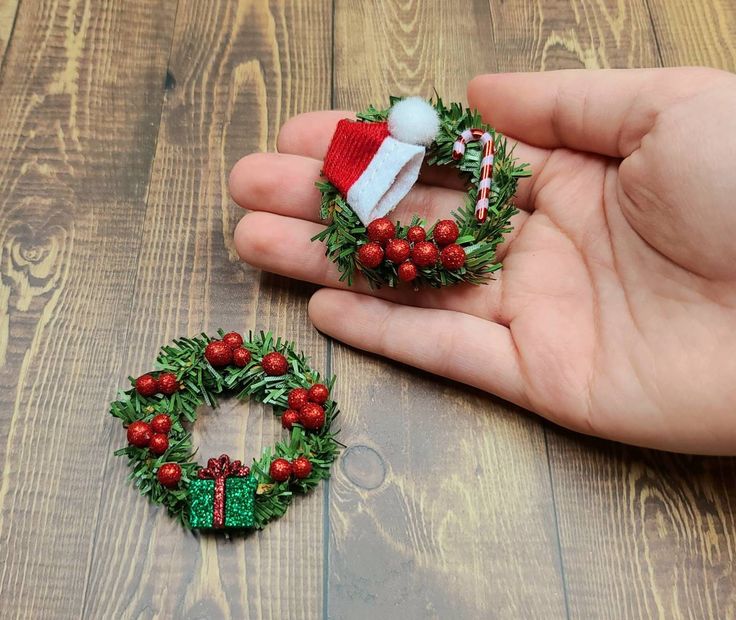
(696, 33)
(8, 9)
(237, 71)
(81, 95)
(562, 34)
(643, 534)
(441, 507)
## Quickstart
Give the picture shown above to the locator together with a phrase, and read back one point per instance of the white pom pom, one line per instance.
(413, 120)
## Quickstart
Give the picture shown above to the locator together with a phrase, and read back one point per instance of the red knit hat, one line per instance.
(372, 169)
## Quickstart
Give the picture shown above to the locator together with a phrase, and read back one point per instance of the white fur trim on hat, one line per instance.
(387, 179)
(414, 120)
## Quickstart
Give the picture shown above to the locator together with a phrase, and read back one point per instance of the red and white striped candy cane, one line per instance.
(486, 166)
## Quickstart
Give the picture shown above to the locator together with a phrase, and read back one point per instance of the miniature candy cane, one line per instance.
(486, 166)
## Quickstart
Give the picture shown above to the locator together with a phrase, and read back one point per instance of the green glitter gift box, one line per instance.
(222, 496)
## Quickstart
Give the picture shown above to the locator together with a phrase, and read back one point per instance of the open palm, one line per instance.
(615, 313)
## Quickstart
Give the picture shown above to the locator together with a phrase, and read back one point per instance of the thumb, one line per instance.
(606, 112)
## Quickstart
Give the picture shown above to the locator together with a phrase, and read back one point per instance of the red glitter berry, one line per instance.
(161, 423)
(274, 364)
(370, 255)
(169, 474)
(445, 232)
(218, 354)
(241, 357)
(424, 254)
(398, 250)
(407, 271)
(453, 257)
(280, 470)
(381, 230)
(233, 340)
(159, 444)
(416, 234)
(301, 467)
(289, 418)
(312, 416)
(298, 397)
(167, 383)
(139, 434)
(319, 393)
(146, 385)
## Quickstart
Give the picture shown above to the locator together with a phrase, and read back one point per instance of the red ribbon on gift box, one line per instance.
(219, 470)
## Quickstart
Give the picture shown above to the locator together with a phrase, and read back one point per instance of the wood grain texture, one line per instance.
(643, 534)
(567, 34)
(76, 145)
(118, 125)
(441, 506)
(8, 9)
(696, 33)
(237, 71)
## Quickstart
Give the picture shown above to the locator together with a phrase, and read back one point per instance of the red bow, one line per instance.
(219, 470)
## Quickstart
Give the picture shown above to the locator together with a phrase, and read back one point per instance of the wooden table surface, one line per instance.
(119, 122)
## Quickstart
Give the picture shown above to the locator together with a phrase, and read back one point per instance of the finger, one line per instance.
(277, 183)
(309, 134)
(282, 245)
(461, 347)
(285, 184)
(606, 112)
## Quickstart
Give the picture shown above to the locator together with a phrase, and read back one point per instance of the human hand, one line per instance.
(615, 313)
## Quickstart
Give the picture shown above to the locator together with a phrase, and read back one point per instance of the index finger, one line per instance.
(309, 134)
(606, 112)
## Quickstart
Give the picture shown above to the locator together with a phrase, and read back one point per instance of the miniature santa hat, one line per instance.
(374, 165)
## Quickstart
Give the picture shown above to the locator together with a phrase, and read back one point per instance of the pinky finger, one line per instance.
(464, 348)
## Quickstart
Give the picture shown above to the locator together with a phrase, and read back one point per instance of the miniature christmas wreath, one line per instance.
(373, 162)
(226, 494)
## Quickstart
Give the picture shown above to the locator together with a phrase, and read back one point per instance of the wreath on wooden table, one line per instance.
(226, 494)
(373, 162)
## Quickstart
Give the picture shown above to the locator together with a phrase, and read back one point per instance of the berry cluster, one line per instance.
(413, 252)
(281, 469)
(229, 350)
(306, 407)
(154, 435)
(165, 383)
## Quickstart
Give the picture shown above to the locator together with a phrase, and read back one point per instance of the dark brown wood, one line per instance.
(237, 72)
(644, 534)
(81, 93)
(119, 123)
